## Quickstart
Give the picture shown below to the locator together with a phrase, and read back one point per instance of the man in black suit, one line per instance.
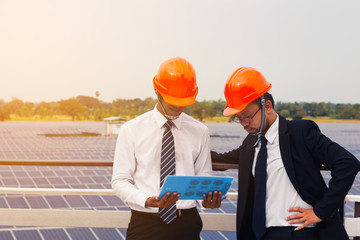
(294, 201)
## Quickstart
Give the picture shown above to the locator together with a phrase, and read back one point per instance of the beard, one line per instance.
(252, 130)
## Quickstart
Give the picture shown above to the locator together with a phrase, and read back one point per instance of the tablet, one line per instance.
(193, 187)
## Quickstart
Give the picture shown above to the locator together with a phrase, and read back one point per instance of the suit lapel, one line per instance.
(284, 143)
(246, 158)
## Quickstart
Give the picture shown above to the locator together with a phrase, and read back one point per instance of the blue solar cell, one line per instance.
(75, 173)
(81, 234)
(27, 235)
(62, 173)
(54, 234)
(70, 180)
(107, 233)
(95, 186)
(6, 235)
(211, 235)
(9, 182)
(95, 201)
(123, 231)
(17, 202)
(88, 172)
(229, 235)
(20, 174)
(36, 202)
(113, 200)
(56, 180)
(79, 186)
(28, 182)
(85, 180)
(56, 201)
(41, 181)
(76, 201)
(7, 174)
(100, 179)
(3, 203)
(48, 173)
(228, 207)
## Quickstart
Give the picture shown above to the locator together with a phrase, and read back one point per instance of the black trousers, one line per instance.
(186, 226)
(289, 233)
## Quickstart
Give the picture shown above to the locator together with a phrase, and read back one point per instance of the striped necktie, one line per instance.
(259, 216)
(167, 167)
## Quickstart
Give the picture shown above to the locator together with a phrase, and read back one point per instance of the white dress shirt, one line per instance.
(136, 169)
(280, 193)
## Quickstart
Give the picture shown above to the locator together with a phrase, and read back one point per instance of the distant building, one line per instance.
(113, 125)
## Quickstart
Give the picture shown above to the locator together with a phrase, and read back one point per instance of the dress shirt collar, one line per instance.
(161, 119)
(273, 131)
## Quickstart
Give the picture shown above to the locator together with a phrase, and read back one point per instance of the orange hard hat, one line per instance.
(176, 82)
(245, 85)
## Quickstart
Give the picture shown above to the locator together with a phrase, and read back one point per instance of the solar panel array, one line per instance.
(25, 140)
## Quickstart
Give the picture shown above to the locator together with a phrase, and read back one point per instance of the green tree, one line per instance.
(285, 113)
(200, 111)
(4, 112)
(218, 107)
(15, 105)
(44, 109)
(72, 107)
(89, 102)
(300, 111)
(343, 111)
(26, 110)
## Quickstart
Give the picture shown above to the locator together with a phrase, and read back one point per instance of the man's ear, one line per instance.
(268, 105)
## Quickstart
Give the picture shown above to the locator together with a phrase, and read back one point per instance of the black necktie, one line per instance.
(259, 217)
(167, 167)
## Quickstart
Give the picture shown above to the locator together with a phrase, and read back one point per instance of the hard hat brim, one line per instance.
(228, 111)
(179, 102)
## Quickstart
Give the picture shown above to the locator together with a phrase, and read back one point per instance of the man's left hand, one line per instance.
(305, 216)
(213, 200)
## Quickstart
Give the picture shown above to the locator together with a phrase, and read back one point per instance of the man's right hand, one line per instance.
(166, 201)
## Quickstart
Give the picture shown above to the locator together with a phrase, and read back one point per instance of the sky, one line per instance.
(52, 50)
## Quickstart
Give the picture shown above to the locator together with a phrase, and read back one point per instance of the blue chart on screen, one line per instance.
(193, 187)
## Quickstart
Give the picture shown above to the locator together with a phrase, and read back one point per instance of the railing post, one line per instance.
(357, 214)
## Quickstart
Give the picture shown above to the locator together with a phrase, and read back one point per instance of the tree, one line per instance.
(343, 111)
(26, 110)
(4, 112)
(72, 107)
(285, 113)
(218, 106)
(44, 109)
(200, 111)
(300, 111)
(15, 105)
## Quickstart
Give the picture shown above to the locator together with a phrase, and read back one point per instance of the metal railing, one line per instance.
(119, 219)
(112, 218)
(88, 218)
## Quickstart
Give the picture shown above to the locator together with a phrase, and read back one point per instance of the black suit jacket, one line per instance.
(303, 150)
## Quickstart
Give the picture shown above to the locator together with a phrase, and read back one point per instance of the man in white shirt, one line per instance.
(138, 170)
(282, 194)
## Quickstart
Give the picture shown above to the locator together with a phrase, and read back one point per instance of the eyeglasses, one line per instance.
(245, 120)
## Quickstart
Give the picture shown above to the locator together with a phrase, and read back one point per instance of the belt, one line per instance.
(179, 212)
(290, 230)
